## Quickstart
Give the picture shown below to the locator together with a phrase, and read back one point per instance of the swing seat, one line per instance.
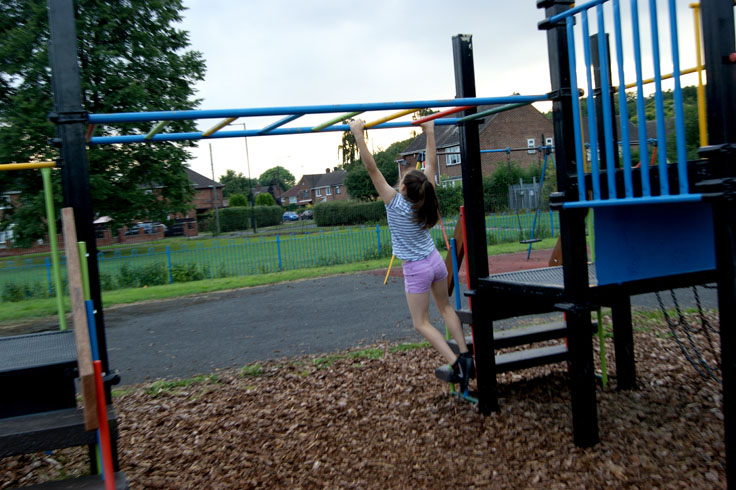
(531, 240)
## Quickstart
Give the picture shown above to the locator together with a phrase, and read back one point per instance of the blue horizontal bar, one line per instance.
(630, 201)
(575, 10)
(313, 109)
(138, 138)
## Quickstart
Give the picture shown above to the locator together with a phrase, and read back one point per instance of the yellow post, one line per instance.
(27, 166)
(390, 117)
(390, 264)
(218, 126)
(702, 123)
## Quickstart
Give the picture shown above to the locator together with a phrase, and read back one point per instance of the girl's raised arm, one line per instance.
(385, 191)
(430, 163)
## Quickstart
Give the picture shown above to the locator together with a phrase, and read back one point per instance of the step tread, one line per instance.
(517, 360)
(523, 335)
(91, 482)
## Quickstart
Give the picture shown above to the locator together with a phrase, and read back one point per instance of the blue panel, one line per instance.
(643, 242)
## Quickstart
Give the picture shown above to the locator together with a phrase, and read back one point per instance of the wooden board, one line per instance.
(79, 320)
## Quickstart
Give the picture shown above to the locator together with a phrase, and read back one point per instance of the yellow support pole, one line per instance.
(390, 264)
(218, 126)
(702, 123)
(390, 117)
(27, 166)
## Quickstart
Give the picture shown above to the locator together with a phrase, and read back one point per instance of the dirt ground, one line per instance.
(378, 418)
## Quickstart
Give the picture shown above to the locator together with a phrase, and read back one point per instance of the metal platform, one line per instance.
(37, 372)
(547, 277)
(36, 350)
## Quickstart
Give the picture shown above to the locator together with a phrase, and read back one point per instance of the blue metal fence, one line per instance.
(248, 256)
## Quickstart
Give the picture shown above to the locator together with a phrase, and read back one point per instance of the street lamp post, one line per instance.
(214, 194)
(250, 185)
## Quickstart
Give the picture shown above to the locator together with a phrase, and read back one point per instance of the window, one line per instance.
(318, 192)
(4, 201)
(549, 142)
(328, 191)
(532, 145)
(337, 189)
(452, 156)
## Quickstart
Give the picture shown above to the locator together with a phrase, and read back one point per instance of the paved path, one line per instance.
(185, 337)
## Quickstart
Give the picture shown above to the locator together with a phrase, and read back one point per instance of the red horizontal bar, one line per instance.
(432, 117)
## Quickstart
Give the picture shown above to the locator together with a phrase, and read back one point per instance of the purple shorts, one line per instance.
(420, 274)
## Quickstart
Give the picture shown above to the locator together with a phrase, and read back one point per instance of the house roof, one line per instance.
(446, 136)
(199, 181)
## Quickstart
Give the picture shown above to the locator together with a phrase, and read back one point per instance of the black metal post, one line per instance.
(598, 94)
(719, 46)
(70, 120)
(623, 342)
(477, 253)
(572, 236)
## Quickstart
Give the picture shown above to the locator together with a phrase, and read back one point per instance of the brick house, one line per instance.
(316, 188)
(523, 127)
(204, 198)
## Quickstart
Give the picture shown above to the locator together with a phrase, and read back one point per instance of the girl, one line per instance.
(412, 212)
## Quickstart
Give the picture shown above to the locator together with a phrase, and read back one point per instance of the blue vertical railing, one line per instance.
(607, 145)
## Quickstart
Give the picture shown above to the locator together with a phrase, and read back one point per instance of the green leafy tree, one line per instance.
(348, 148)
(357, 181)
(236, 183)
(238, 200)
(277, 176)
(265, 199)
(132, 58)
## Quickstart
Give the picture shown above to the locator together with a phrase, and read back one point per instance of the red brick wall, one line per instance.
(509, 129)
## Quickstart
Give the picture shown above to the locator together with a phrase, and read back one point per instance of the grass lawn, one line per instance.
(37, 308)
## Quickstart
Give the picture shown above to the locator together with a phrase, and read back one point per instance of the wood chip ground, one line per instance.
(379, 419)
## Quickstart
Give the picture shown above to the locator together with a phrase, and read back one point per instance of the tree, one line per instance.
(236, 183)
(132, 58)
(348, 148)
(265, 199)
(277, 176)
(359, 184)
(238, 200)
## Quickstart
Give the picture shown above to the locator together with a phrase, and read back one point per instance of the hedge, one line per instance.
(339, 213)
(238, 218)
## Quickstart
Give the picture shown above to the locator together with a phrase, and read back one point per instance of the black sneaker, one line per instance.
(461, 372)
(468, 365)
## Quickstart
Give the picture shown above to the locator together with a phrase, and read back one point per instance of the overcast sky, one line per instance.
(266, 53)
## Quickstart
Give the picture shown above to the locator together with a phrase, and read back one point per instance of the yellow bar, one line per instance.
(389, 269)
(218, 126)
(27, 166)
(390, 117)
(702, 123)
(665, 77)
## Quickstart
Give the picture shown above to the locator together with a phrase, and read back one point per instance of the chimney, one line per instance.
(327, 170)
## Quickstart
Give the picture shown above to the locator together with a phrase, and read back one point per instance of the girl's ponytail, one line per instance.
(420, 192)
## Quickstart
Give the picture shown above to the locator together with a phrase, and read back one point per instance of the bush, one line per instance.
(238, 200)
(450, 199)
(186, 273)
(238, 218)
(150, 275)
(265, 199)
(339, 213)
(13, 292)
